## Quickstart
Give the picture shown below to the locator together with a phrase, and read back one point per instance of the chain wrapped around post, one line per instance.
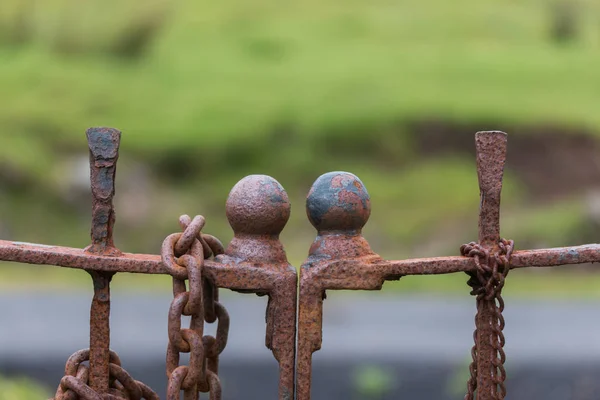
(101, 377)
(487, 283)
(183, 255)
(75, 384)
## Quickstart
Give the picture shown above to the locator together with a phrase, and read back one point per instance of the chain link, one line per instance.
(74, 385)
(487, 282)
(183, 255)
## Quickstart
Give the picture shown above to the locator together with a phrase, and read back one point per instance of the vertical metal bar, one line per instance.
(491, 157)
(338, 206)
(310, 333)
(104, 153)
(100, 332)
(281, 338)
(258, 209)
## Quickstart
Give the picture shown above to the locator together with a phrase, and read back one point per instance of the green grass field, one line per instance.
(215, 74)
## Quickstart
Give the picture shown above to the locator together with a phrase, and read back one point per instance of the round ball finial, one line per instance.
(258, 205)
(338, 201)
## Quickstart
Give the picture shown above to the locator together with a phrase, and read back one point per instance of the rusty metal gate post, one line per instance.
(258, 209)
(104, 153)
(338, 206)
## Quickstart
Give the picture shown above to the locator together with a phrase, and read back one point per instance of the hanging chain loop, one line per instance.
(74, 385)
(183, 254)
(487, 282)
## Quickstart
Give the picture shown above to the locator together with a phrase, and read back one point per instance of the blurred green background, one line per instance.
(391, 90)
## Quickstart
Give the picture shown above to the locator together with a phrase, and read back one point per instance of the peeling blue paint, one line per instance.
(104, 142)
(323, 196)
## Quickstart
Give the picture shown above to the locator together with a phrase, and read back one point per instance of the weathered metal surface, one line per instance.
(31, 253)
(104, 153)
(258, 208)
(184, 255)
(100, 332)
(340, 258)
(122, 386)
(338, 206)
(491, 156)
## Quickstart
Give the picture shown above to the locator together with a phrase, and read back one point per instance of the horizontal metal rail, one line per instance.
(38, 254)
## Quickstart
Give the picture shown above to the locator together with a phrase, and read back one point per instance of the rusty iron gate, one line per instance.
(340, 258)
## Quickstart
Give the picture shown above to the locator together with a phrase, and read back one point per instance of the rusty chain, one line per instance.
(487, 282)
(183, 255)
(74, 385)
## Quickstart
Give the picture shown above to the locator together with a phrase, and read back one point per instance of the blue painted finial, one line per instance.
(338, 201)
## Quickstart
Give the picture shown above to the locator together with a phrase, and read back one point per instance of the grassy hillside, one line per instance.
(212, 74)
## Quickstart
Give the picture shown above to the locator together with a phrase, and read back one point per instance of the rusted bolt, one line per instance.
(338, 201)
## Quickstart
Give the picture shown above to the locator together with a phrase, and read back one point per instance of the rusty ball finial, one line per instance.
(338, 201)
(258, 205)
